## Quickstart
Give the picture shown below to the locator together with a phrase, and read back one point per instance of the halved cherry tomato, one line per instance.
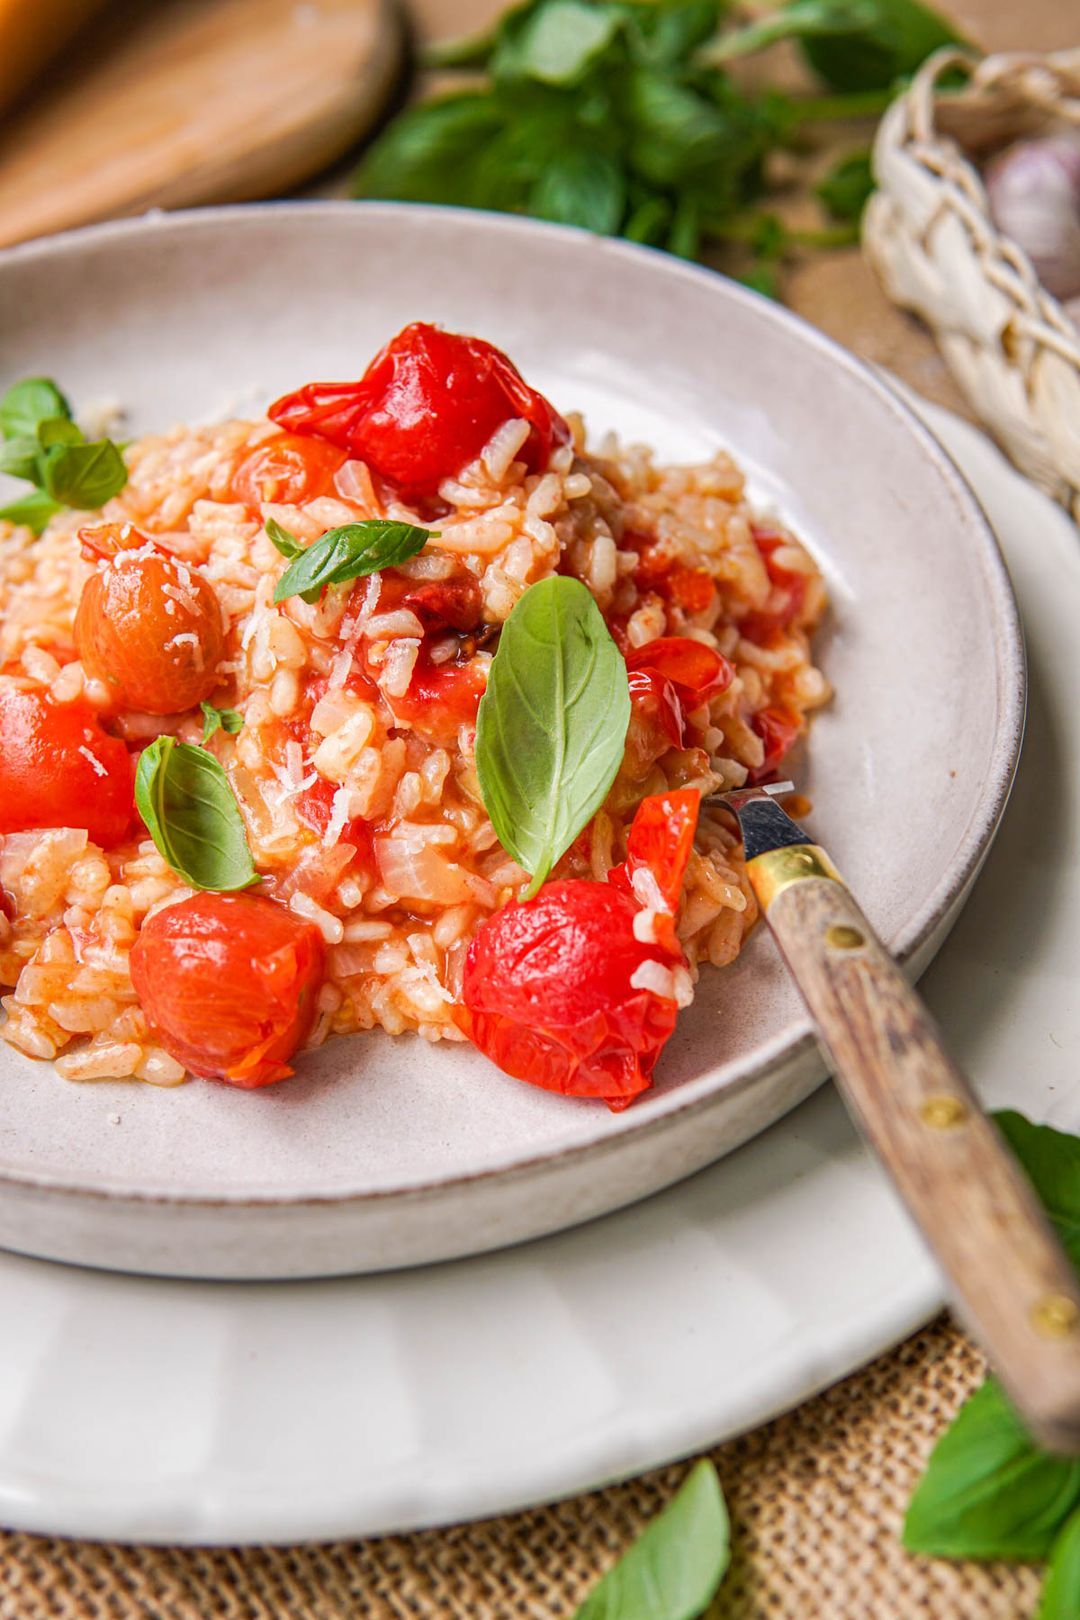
(547, 990)
(58, 768)
(778, 728)
(229, 984)
(151, 629)
(288, 469)
(426, 406)
(441, 698)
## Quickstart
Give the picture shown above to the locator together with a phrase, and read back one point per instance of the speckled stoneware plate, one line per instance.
(387, 1152)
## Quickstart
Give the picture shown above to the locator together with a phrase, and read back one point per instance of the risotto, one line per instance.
(353, 877)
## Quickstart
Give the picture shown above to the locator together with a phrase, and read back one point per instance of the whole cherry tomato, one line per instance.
(58, 768)
(287, 469)
(229, 984)
(549, 991)
(778, 728)
(151, 629)
(426, 406)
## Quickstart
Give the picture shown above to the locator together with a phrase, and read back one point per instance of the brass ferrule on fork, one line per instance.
(777, 869)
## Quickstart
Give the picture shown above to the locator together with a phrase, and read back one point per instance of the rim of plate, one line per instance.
(699, 1094)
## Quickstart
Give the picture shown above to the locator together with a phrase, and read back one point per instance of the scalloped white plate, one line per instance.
(382, 1152)
(194, 1412)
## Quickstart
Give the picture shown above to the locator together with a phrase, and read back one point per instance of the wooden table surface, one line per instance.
(836, 290)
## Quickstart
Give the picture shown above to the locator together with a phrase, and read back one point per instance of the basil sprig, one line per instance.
(552, 723)
(191, 813)
(674, 1569)
(342, 554)
(42, 444)
(228, 720)
(989, 1491)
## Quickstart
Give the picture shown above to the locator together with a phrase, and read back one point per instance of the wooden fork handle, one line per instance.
(1010, 1278)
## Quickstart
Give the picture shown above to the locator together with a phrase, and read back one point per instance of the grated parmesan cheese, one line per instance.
(93, 759)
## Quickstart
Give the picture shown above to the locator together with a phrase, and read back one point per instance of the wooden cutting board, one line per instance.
(171, 103)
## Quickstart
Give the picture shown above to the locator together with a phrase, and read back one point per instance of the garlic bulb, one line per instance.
(1034, 193)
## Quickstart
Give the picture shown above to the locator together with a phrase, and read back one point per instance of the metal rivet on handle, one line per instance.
(842, 937)
(943, 1113)
(1056, 1315)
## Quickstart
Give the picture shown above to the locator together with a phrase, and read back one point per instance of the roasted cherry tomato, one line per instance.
(696, 671)
(150, 628)
(426, 406)
(660, 841)
(656, 699)
(441, 698)
(288, 469)
(229, 984)
(440, 604)
(58, 768)
(778, 728)
(548, 991)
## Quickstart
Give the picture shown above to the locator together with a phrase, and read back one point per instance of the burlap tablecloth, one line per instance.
(817, 1499)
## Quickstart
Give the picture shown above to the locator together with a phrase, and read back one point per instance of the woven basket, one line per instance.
(1012, 348)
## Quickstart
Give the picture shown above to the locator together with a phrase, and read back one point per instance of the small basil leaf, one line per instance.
(869, 44)
(32, 511)
(18, 458)
(556, 43)
(581, 188)
(1061, 1591)
(228, 720)
(348, 553)
(1051, 1160)
(847, 186)
(552, 723)
(27, 403)
(286, 543)
(58, 430)
(191, 813)
(987, 1491)
(84, 475)
(674, 1569)
(431, 152)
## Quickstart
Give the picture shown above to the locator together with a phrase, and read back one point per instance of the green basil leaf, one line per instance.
(556, 43)
(763, 278)
(552, 723)
(987, 1491)
(19, 458)
(228, 720)
(581, 188)
(847, 186)
(664, 35)
(27, 403)
(286, 543)
(58, 430)
(430, 152)
(191, 813)
(850, 44)
(33, 511)
(1051, 1160)
(674, 1569)
(350, 552)
(84, 475)
(1061, 1591)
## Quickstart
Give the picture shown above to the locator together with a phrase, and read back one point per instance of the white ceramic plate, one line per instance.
(387, 1152)
(168, 1411)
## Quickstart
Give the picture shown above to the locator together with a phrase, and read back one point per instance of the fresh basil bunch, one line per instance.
(615, 115)
(41, 443)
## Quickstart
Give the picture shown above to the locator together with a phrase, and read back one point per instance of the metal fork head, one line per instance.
(737, 797)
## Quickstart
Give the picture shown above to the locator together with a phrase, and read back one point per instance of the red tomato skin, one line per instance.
(778, 728)
(46, 782)
(547, 993)
(314, 807)
(426, 406)
(151, 629)
(657, 699)
(288, 469)
(696, 671)
(441, 698)
(660, 841)
(229, 983)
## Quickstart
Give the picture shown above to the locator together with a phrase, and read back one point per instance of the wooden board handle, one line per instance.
(1011, 1280)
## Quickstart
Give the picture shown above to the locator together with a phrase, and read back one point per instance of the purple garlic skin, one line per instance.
(1034, 193)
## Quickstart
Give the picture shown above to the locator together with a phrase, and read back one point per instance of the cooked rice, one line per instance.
(395, 942)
